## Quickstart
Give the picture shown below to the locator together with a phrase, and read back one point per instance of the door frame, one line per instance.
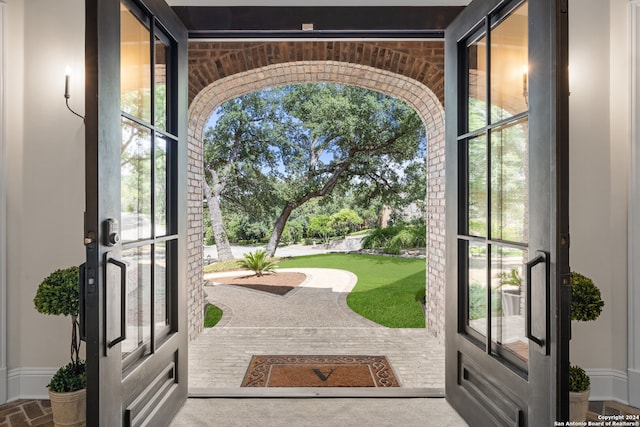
(330, 23)
(633, 283)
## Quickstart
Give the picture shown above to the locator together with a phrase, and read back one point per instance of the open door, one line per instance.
(134, 286)
(508, 280)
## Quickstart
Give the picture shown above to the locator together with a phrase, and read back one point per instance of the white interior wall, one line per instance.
(3, 210)
(45, 172)
(599, 164)
(634, 206)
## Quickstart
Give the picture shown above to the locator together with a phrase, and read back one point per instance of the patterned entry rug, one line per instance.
(319, 371)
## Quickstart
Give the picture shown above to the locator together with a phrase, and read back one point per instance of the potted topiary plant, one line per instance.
(586, 305)
(510, 283)
(58, 295)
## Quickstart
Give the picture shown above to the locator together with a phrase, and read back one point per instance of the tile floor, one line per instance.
(26, 413)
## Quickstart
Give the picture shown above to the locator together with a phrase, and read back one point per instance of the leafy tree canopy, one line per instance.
(272, 151)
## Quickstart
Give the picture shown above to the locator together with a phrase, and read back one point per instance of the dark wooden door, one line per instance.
(134, 313)
(507, 213)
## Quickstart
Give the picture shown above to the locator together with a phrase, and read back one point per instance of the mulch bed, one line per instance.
(319, 371)
(275, 283)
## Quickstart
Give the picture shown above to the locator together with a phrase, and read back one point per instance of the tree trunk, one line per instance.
(278, 228)
(219, 234)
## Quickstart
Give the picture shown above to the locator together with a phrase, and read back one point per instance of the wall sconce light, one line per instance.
(67, 95)
(525, 83)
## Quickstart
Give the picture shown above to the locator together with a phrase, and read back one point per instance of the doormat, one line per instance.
(319, 371)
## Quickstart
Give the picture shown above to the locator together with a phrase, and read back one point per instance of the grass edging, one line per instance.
(212, 316)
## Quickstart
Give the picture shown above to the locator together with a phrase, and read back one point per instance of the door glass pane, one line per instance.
(509, 178)
(477, 75)
(138, 298)
(160, 195)
(135, 170)
(497, 174)
(477, 290)
(135, 66)
(160, 291)
(509, 288)
(160, 84)
(477, 186)
(509, 66)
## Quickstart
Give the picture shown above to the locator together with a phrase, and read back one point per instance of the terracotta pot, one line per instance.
(578, 405)
(69, 409)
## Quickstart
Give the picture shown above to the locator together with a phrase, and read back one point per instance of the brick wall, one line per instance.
(411, 71)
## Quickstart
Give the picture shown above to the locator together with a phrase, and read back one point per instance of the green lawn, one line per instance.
(386, 288)
(212, 316)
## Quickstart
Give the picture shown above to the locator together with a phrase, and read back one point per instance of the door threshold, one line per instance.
(322, 392)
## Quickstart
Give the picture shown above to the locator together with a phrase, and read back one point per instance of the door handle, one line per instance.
(123, 287)
(540, 259)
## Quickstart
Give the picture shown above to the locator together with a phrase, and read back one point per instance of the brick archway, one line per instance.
(426, 103)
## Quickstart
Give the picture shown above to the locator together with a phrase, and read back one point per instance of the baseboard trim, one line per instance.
(608, 384)
(29, 383)
(634, 388)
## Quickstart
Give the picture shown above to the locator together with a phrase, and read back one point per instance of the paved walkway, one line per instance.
(311, 319)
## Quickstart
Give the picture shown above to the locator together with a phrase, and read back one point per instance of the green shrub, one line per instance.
(258, 262)
(578, 379)
(69, 378)
(403, 239)
(395, 238)
(379, 237)
(586, 301)
(209, 240)
(477, 302)
(391, 250)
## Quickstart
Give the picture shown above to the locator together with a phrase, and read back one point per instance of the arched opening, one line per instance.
(414, 93)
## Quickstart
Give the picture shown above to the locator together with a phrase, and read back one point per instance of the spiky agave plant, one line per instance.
(258, 262)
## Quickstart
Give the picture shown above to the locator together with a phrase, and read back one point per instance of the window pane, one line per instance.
(160, 84)
(509, 290)
(138, 298)
(509, 66)
(161, 280)
(161, 187)
(477, 186)
(135, 66)
(509, 188)
(477, 291)
(477, 74)
(135, 167)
